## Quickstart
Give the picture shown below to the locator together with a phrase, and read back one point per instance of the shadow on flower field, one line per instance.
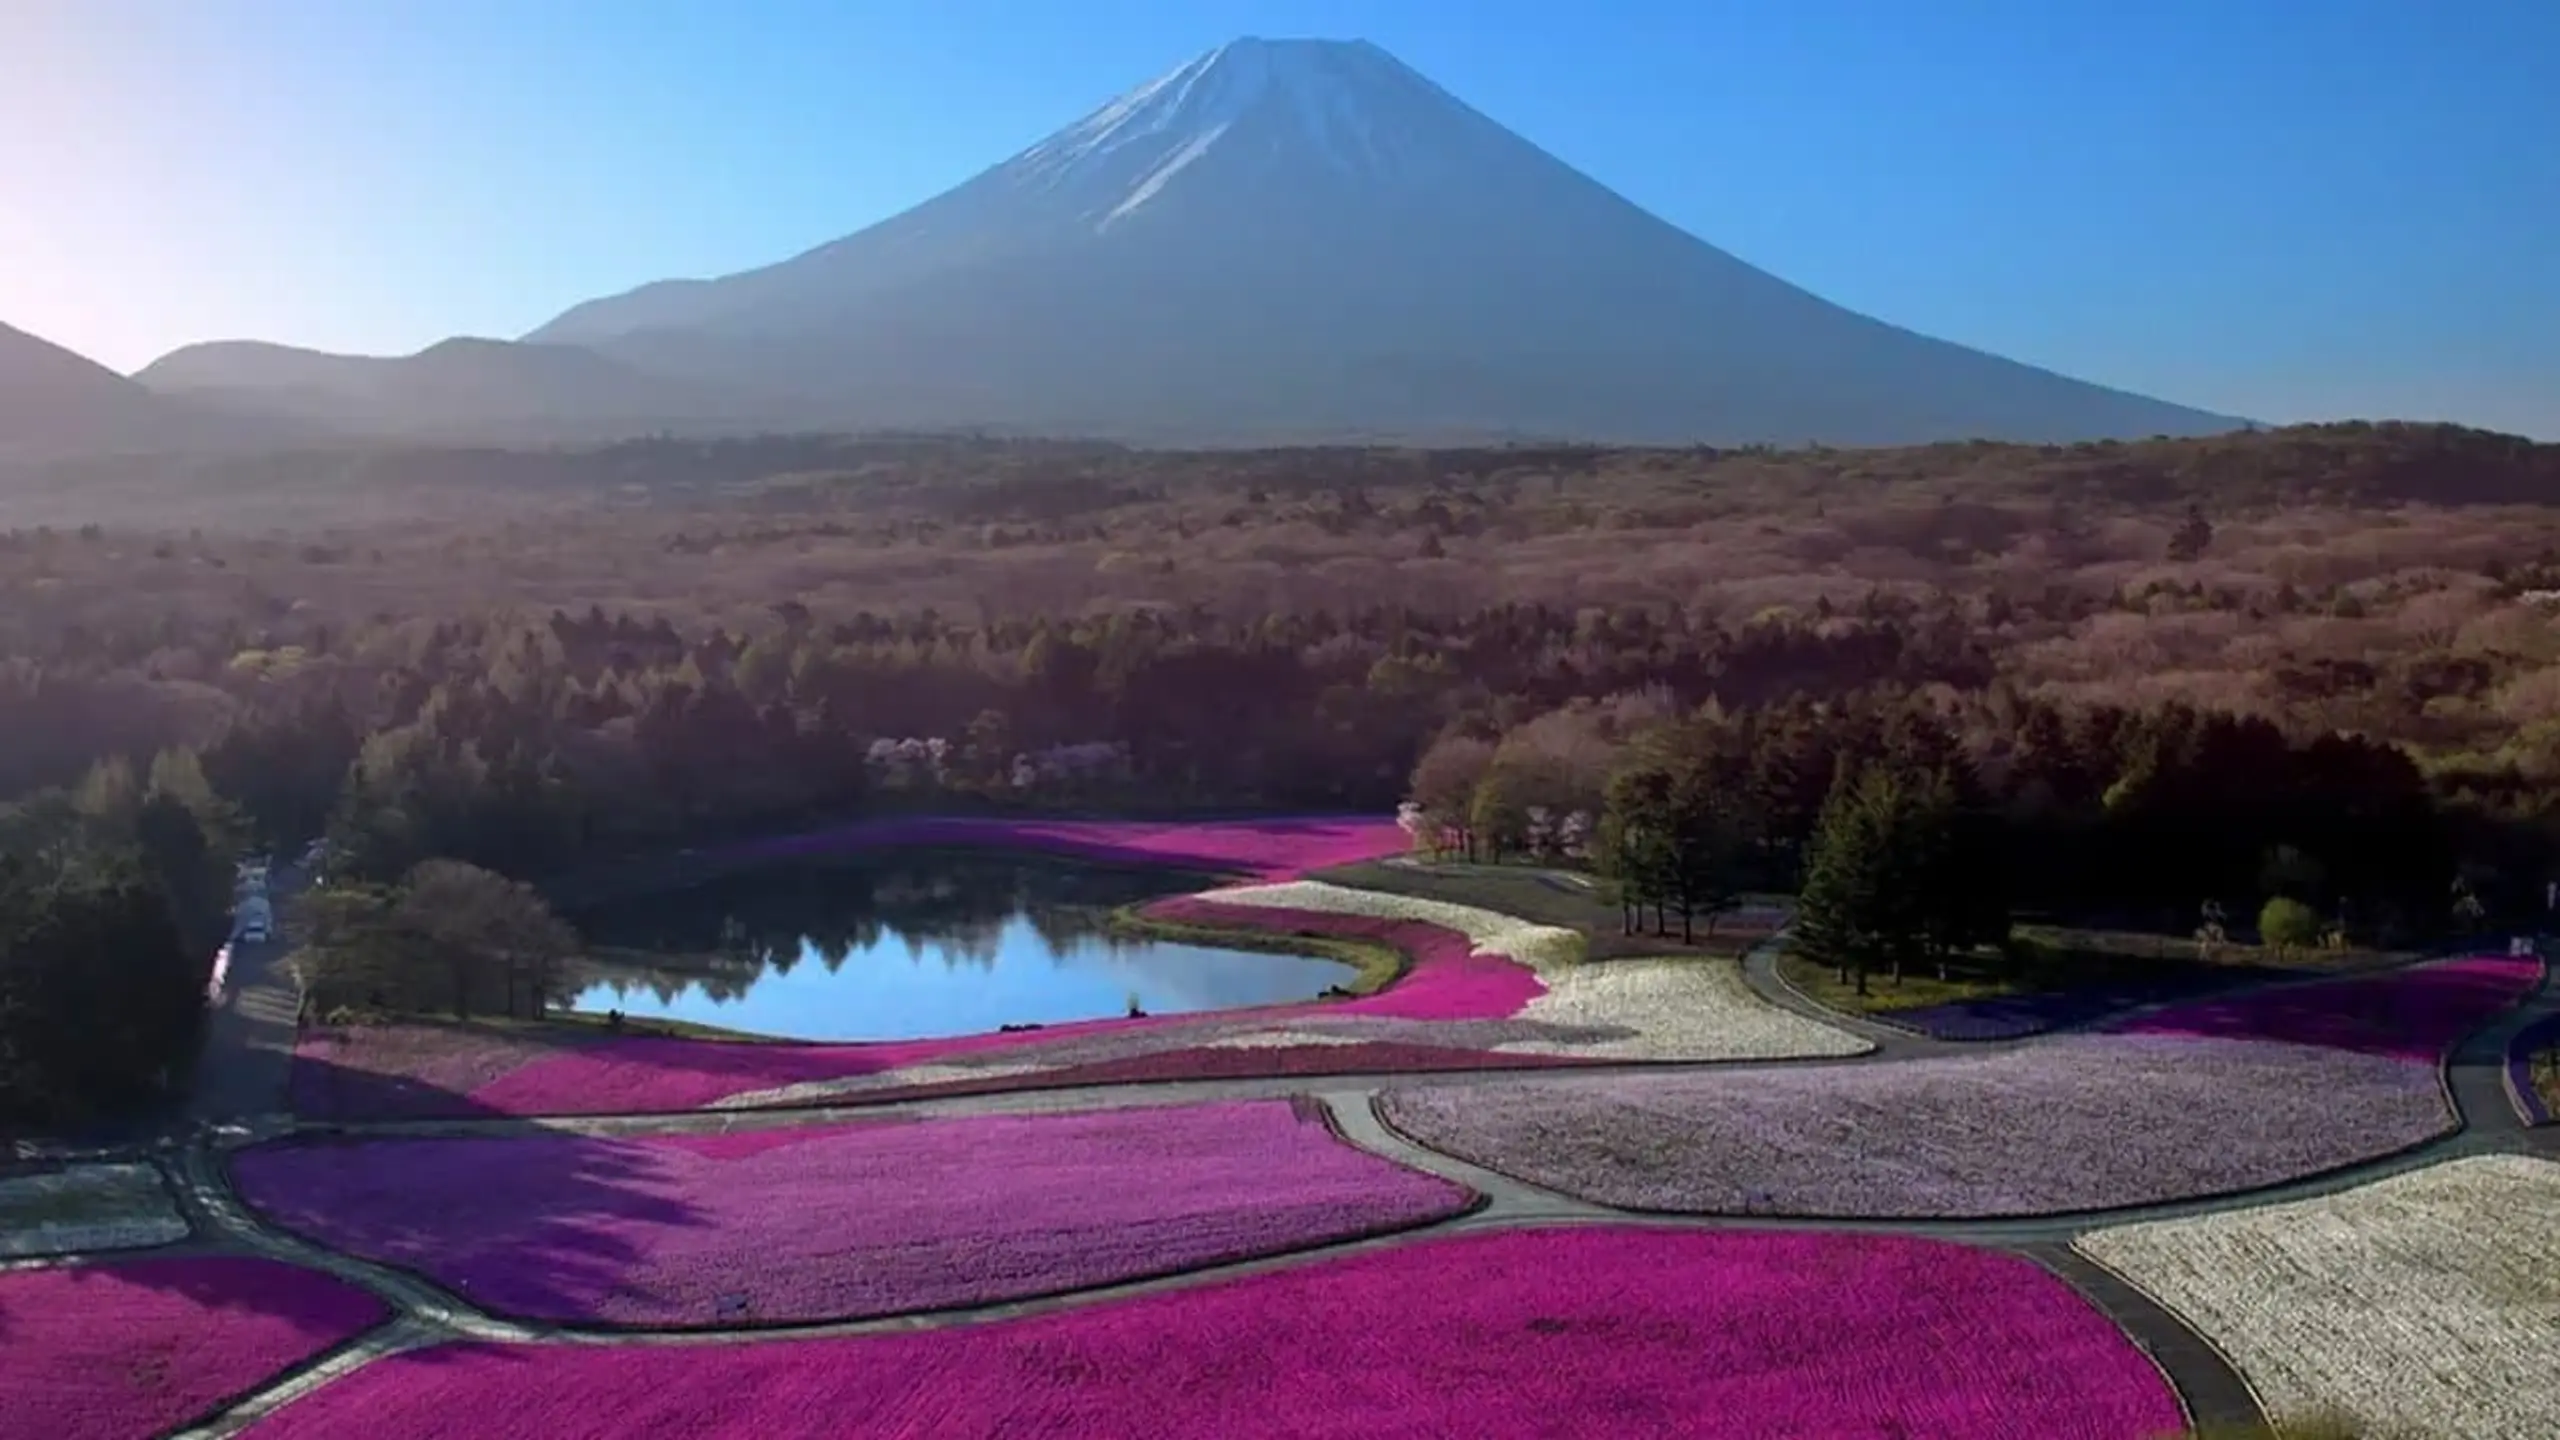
(428, 1213)
(831, 1221)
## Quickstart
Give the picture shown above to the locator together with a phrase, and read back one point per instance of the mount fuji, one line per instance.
(1280, 240)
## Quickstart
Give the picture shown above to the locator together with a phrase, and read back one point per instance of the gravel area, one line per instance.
(839, 1221)
(87, 1207)
(1559, 1334)
(2427, 1304)
(2075, 1123)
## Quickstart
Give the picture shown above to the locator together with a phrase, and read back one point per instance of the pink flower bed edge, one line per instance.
(640, 1074)
(2418, 1013)
(143, 1346)
(713, 1230)
(1553, 1332)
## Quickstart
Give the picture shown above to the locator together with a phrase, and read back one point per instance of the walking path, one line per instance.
(248, 1094)
(246, 1066)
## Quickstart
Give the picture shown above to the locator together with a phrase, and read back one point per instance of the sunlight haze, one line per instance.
(2281, 210)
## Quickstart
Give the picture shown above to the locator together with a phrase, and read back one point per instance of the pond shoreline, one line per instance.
(1026, 939)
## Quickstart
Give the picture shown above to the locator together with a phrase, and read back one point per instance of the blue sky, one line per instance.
(2285, 208)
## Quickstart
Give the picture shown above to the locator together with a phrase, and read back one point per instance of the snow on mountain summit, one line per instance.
(1344, 106)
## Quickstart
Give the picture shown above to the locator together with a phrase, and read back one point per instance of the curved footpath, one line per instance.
(2213, 1392)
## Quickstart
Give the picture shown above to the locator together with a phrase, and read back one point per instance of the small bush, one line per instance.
(2287, 924)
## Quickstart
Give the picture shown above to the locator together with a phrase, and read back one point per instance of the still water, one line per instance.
(903, 949)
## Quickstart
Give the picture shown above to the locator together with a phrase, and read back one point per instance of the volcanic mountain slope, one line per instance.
(1295, 239)
(1278, 241)
(54, 403)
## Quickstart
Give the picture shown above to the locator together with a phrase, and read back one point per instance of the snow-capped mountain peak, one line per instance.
(1345, 105)
(1303, 238)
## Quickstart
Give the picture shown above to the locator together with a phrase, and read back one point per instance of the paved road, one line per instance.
(248, 1051)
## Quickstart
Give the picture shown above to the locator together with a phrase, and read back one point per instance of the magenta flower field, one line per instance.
(125, 1351)
(839, 1221)
(1606, 1332)
(1267, 849)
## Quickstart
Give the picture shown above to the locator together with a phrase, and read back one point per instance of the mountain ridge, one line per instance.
(55, 402)
(1275, 238)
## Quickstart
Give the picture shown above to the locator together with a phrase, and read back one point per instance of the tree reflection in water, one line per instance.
(719, 938)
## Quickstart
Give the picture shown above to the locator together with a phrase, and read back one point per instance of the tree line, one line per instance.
(1910, 837)
(114, 897)
(533, 749)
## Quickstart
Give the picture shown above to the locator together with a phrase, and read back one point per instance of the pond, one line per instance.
(918, 946)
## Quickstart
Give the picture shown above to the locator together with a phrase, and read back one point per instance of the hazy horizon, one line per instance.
(2345, 213)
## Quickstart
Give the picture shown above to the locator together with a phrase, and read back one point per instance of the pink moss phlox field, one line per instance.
(839, 1221)
(1268, 849)
(2075, 1123)
(123, 1351)
(2416, 1014)
(1605, 1332)
(1449, 979)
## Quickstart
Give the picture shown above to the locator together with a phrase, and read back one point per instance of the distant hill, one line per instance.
(463, 388)
(56, 403)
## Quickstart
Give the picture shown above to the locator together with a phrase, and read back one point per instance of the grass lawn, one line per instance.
(2043, 959)
(1545, 897)
(2543, 1066)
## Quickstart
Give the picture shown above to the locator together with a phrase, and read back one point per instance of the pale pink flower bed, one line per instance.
(1270, 849)
(429, 1071)
(2415, 1014)
(2208, 1098)
(840, 1221)
(124, 1351)
(1606, 1332)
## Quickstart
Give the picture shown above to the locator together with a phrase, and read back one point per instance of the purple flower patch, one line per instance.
(839, 1221)
(2075, 1123)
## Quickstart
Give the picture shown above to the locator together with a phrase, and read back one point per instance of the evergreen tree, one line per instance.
(1633, 846)
(1840, 907)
